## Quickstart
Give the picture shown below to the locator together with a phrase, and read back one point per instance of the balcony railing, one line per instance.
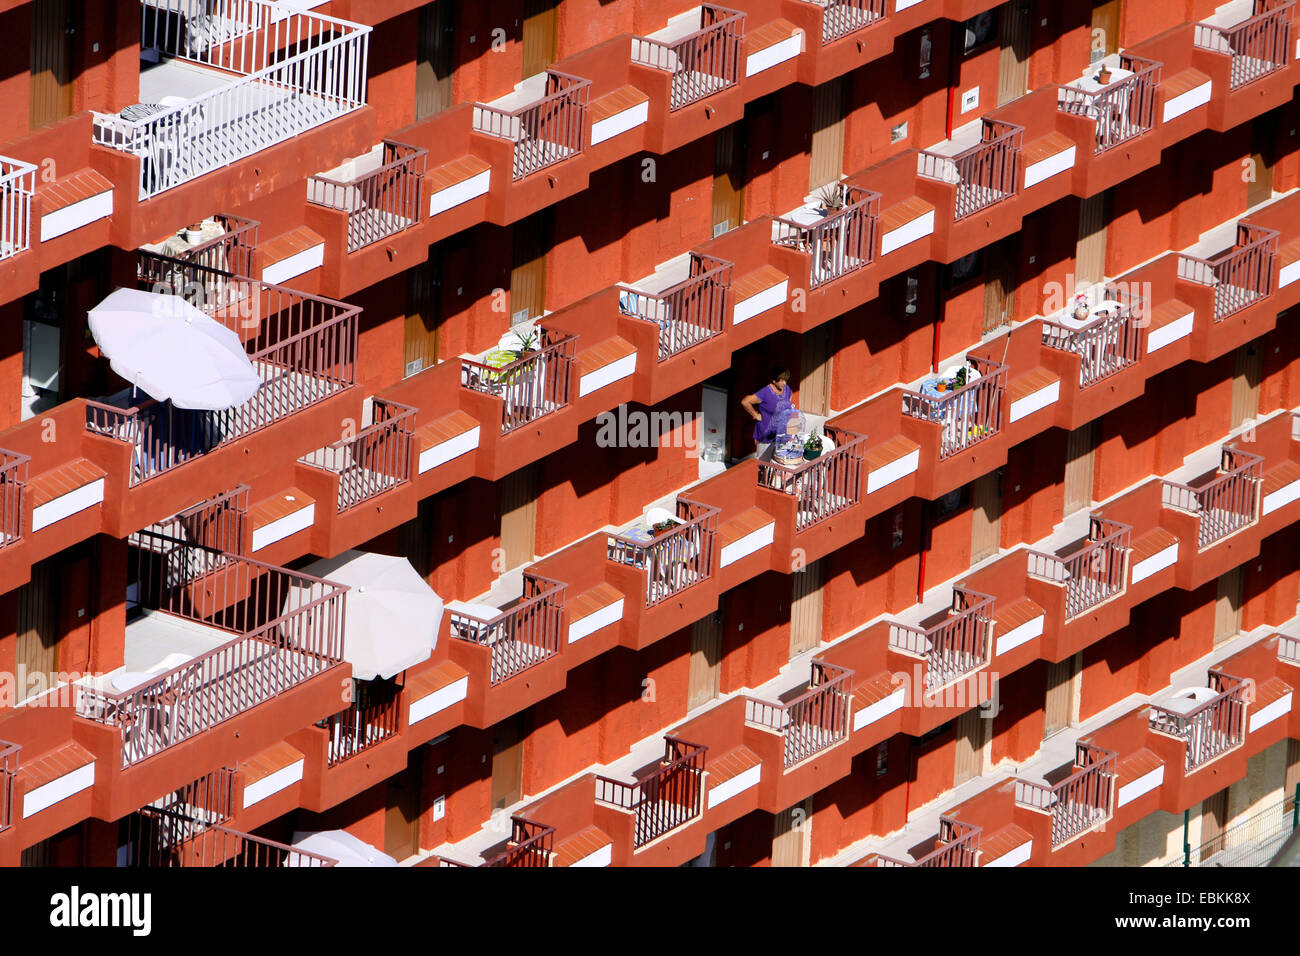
(377, 460)
(1081, 801)
(1095, 573)
(688, 313)
(841, 242)
(667, 798)
(303, 347)
(825, 486)
(371, 718)
(1288, 649)
(286, 71)
(1241, 276)
(985, 174)
(1258, 46)
(13, 484)
(8, 773)
(816, 720)
(675, 560)
(17, 184)
(954, 647)
(379, 203)
(1228, 503)
(522, 635)
(214, 846)
(1211, 728)
(958, 844)
(842, 17)
(530, 845)
(530, 387)
(286, 627)
(544, 132)
(968, 415)
(219, 523)
(701, 63)
(1106, 345)
(223, 263)
(1123, 110)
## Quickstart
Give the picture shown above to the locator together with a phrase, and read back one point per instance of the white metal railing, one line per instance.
(1258, 45)
(289, 71)
(1288, 649)
(17, 183)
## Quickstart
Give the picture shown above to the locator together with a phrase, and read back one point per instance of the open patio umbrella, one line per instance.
(392, 616)
(342, 846)
(170, 350)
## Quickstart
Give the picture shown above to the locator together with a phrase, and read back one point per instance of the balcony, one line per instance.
(1223, 503)
(1124, 108)
(522, 633)
(842, 17)
(1079, 803)
(826, 485)
(544, 118)
(376, 461)
(225, 634)
(958, 844)
(226, 85)
(812, 722)
(13, 483)
(686, 298)
(303, 347)
(836, 229)
(529, 846)
(981, 161)
(170, 838)
(668, 797)
(674, 552)
(966, 415)
(1091, 573)
(1107, 341)
(17, 184)
(373, 717)
(379, 192)
(1240, 276)
(1210, 720)
(531, 382)
(953, 647)
(700, 49)
(1255, 33)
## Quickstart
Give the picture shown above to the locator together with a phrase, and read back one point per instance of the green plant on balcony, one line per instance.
(831, 199)
(812, 448)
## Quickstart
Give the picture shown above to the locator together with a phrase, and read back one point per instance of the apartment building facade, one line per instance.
(506, 272)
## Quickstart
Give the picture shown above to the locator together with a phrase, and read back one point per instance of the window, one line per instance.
(882, 759)
(966, 268)
(980, 30)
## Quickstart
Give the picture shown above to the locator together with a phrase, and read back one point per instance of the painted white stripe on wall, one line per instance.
(1175, 330)
(902, 5)
(1047, 395)
(1014, 857)
(445, 451)
(918, 228)
(1035, 173)
(1021, 634)
(890, 473)
(60, 788)
(81, 213)
(64, 506)
(440, 699)
(769, 298)
(607, 374)
(1186, 102)
(1157, 562)
(1266, 715)
(620, 122)
(597, 619)
(273, 783)
(880, 709)
(787, 49)
(277, 273)
(1141, 786)
(1282, 497)
(737, 784)
(602, 857)
(1288, 274)
(460, 192)
(743, 547)
(281, 528)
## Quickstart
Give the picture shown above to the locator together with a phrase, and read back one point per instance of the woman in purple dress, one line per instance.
(765, 403)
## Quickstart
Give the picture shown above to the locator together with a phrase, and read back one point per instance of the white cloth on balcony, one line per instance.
(340, 846)
(392, 617)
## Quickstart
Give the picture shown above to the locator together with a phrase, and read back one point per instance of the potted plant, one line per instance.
(812, 448)
(1081, 310)
(663, 527)
(959, 380)
(831, 199)
(1103, 75)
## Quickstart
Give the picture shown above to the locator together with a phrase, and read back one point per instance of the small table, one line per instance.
(476, 630)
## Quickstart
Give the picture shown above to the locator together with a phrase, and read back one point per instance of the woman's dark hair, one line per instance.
(779, 372)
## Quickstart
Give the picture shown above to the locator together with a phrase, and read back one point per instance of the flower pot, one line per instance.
(1104, 77)
(811, 454)
(1081, 313)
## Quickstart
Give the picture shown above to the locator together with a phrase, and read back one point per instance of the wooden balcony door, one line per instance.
(728, 178)
(402, 809)
(1214, 817)
(1080, 458)
(1263, 142)
(706, 660)
(39, 627)
(1106, 17)
(986, 516)
(529, 242)
(420, 336)
(1090, 248)
(792, 836)
(816, 363)
(508, 760)
(539, 36)
(53, 54)
(826, 161)
(806, 608)
(973, 741)
(1228, 598)
(518, 517)
(1000, 271)
(1063, 688)
(434, 58)
(1247, 373)
(1013, 63)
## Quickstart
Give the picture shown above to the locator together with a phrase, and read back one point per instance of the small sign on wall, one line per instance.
(970, 99)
